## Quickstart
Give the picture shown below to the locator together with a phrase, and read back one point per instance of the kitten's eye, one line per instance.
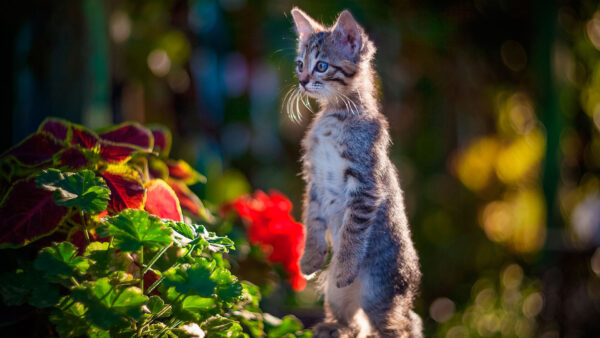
(300, 65)
(321, 66)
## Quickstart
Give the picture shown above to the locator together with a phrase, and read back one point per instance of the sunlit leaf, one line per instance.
(218, 326)
(28, 213)
(161, 201)
(182, 171)
(157, 305)
(116, 153)
(288, 325)
(61, 260)
(69, 322)
(126, 188)
(58, 128)
(133, 229)
(131, 133)
(82, 189)
(187, 199)
(84, 138)
(195, 278)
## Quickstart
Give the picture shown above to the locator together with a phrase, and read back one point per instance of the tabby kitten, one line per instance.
(352, 189)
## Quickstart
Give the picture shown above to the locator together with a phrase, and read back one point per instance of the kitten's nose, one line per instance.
(304, 81)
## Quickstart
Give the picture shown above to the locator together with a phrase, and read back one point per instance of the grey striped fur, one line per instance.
(353, 201)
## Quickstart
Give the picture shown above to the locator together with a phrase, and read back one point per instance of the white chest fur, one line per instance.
(327, 169)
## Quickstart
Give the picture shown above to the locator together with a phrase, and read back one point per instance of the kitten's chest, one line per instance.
(327, 166)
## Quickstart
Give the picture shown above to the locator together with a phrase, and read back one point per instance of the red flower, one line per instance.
(273, 229)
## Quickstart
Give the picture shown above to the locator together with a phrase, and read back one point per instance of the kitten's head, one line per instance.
(332, 62)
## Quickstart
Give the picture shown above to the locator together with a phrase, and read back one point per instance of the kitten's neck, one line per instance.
(359, 101)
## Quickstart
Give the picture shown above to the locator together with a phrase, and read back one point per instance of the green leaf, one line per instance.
(133, 229)
(82, 189)
(70, 322)
(192, 279)
(184, 234)
(197, 303)
(288, 325)
(104, 259)
(108, 305)
(251, 292)
(218, 326)
(228, 287)
(61, 260)
(156, 305)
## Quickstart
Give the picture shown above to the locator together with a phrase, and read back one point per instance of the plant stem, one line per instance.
(143, 271)
(85, 229)
(155, 258)
(175, 266)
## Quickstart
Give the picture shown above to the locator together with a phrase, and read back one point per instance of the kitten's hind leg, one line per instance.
(389, 312)
(333, 330)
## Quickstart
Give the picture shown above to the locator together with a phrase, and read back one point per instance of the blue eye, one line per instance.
(300, 65)
(321, 66)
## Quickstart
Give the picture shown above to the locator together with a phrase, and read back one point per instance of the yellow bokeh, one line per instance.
(475, 165)
(518, 221)
(517, 159)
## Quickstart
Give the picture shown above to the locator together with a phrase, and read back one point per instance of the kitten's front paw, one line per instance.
(312, 260)
(332, 330)
(345, 274)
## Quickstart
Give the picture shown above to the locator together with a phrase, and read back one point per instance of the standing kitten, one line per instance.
(352, 189)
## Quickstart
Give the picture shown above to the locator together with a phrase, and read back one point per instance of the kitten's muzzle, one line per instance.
(304, 81)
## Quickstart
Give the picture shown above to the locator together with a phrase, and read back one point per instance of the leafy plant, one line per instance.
(104, 216)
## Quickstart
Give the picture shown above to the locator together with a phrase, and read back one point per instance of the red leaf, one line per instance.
(116, 153)
(35, 149)
(83, 137)
(161, 201)
(126, 189)
(28, 213)
(130, 133)
(72, 158)
(182, 171)
(162, 139)
(57, 127)
(187, 199)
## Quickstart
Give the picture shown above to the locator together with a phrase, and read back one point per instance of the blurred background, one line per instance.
(494, 109)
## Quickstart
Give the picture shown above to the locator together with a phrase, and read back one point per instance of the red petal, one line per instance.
(27, 214)
(161, 201)
(130, 133)
(57, 127)
(126, 190)
(35, 149)
(83, 137)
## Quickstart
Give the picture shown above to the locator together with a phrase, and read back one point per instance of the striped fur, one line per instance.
(353, 191)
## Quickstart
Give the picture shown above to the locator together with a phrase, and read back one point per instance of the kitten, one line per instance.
(352, 189)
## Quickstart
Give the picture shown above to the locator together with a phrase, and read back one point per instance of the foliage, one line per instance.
(143, 269)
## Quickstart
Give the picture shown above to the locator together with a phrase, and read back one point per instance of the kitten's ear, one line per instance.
(305, 25)
(347, 34)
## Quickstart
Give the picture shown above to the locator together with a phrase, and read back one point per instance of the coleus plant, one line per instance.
(116, 256)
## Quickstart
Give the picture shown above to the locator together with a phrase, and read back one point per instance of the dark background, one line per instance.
(494, 109)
